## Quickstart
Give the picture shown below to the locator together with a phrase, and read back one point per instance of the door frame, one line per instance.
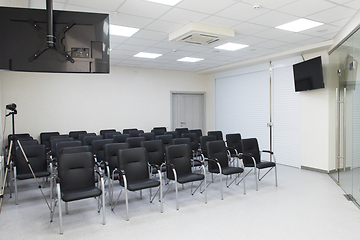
(187, 93)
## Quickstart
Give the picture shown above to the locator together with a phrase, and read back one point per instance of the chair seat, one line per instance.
(82, 193)
(29, 175)
(228, 170)
(190, 177)
(142, 184)
(261, 165)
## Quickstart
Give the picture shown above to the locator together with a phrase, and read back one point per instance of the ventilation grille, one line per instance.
(200, 39)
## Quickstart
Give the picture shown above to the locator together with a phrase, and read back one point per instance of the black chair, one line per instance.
(78, 149)
(66, 144)
(82, 135)
(53, 144)
(133, 168)
(166, 140)
(203, 141)
(134, 133)
(155, 155)
(45, 138)
(87, 140)
(159, 130)
(218, 163)
(135, 142)
(182, 130)
(178, 165)
(148, 136)
(252, 159)
(75, 134)
(103, 132)
(127, 130)
(19, 136)
(120, 138)
(110, 135)
(197, 131)
(194, 142)
(26, 142)
(174, 134)
(76, 181)
(187, 141)
(233, 141)
(36, 155)
(110, 153)
(217, 134)
(98, 149)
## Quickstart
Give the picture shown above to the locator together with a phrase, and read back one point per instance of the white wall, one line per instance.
(125, 98)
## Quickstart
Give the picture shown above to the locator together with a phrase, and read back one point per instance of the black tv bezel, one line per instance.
(308, 75)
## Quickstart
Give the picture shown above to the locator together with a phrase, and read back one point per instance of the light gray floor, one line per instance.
(305, 205)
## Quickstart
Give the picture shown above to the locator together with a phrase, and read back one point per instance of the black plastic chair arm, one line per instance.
(155, 166)
(268, 151)
(212, 159)
(197, 160)
(57, 179)
(170, 165)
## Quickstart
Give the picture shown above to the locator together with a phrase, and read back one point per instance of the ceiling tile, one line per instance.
(163, 26)
(273, 19)
(129, 20)
(333, 14)
(270, 4)
(220, 21)
(143, 8)
(108, 5)
(204, 6)
(151, 35)
(241, 11)
(249, 28)
(272, 33)
(304, 8)
(353, 4)
(182, 16)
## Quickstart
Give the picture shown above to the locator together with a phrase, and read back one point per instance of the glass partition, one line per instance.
(344, 62)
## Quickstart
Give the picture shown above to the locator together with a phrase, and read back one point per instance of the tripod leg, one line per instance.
(6, 171)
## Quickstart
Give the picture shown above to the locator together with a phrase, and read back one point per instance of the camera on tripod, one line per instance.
(11, 107)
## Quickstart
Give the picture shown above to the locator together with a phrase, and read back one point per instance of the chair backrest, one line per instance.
(178, 155)
(166, 139)
(159, 130)
(193, 139)
(36, 154)
(135, 142)
(111, 151)
(120, 138)
(20, 137)
(218, 150)
(55, 140)
(45, 138)
(66, 144)
(182, 130)
(186, 141)
(104, 131)
(109, 135)
(217, 134)
(203, 141)
(98, 148)
(76, 170)
(148, 136)
(134, 133)
(134, 162)
(174, 134)
(75, 134)
(25, 142)
(234, 140)
(155, 151)
(82, 135)
(87, 140)
(127, 130)
(74, 149)
(197, 131)
(250, 145)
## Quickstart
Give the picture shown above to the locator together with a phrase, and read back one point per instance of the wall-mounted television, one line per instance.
(308, 75)
(81, 41)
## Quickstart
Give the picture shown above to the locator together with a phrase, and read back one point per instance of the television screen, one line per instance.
(308, 75)
(81, 41)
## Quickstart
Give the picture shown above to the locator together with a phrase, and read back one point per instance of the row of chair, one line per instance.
(174, 155)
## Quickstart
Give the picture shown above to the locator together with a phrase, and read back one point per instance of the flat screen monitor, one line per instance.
(83, 37)
(308, 75)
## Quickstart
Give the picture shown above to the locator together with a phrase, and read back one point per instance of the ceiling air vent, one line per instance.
(200, 34)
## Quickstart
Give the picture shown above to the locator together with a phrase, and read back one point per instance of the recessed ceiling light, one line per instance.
(299, 25)
(122, 31)
(166, 2)
(231, 46)
(147, 55)
(190, 59)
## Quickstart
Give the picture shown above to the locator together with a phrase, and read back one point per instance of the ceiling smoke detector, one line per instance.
(201, 34)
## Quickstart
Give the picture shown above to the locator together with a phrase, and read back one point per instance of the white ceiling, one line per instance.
(252, 27)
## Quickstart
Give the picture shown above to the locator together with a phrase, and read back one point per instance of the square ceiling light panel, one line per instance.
(190, 59)
(122, 31)
(147, 55)
(231, 46)
(299, 25)
(166, 2)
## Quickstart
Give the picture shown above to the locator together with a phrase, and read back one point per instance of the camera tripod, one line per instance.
(11, 156)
